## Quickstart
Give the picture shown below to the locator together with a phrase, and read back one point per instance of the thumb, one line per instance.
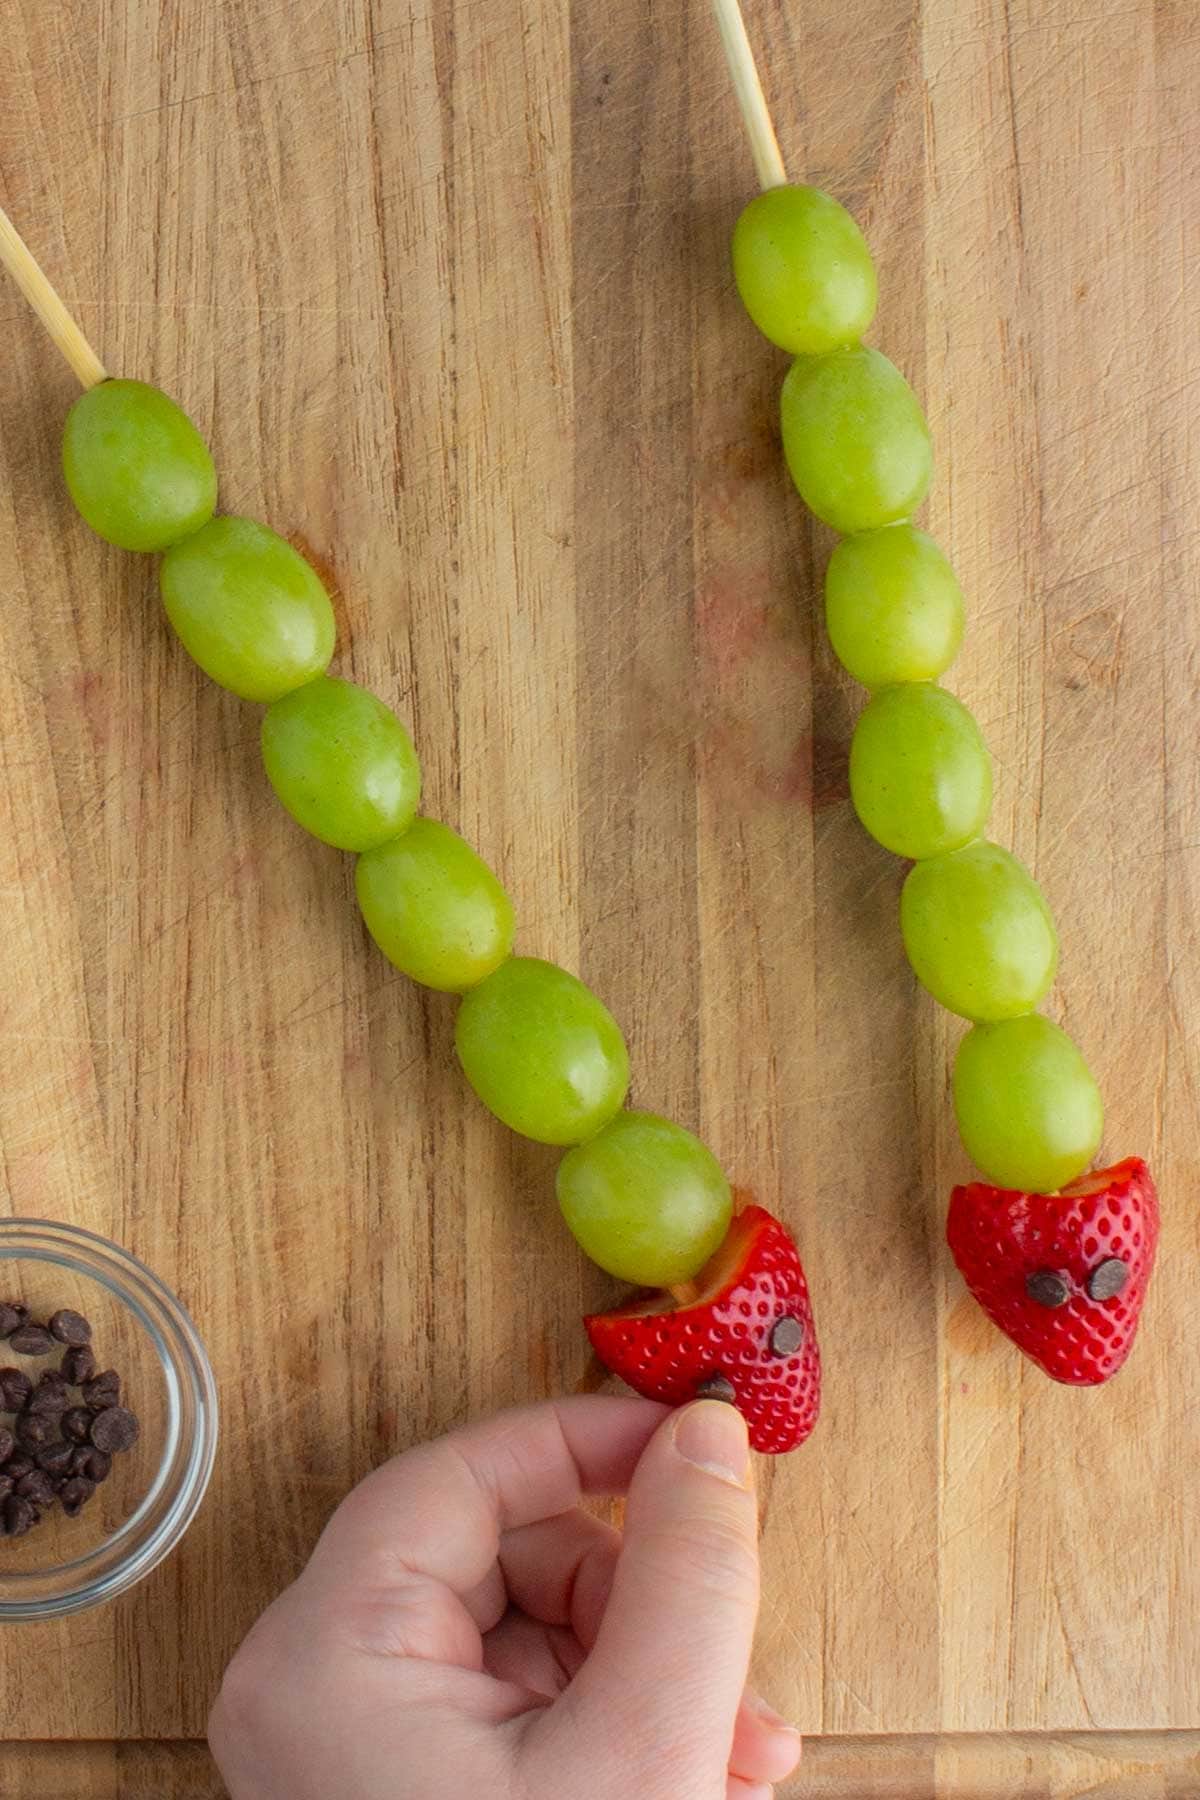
(662, 1685)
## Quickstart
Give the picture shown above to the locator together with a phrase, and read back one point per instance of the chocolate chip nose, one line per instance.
(787, 1335)
(1108, 1278)
(717, 1387)
(1047, 1288)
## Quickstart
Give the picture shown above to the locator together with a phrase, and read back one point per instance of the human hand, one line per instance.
(464, 1628)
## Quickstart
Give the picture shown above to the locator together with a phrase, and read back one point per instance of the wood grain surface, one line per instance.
(447, 285)
(1092, 1765)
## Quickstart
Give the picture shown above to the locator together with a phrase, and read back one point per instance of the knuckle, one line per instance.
(393, 1619)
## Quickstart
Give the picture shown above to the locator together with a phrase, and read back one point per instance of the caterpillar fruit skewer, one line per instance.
(1059, 1259)
(644, 1198)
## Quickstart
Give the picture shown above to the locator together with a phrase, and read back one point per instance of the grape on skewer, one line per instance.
(893, 607)
(248, 609)
(434, 908)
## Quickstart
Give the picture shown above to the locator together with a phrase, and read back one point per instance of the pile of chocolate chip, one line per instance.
(61, 1444)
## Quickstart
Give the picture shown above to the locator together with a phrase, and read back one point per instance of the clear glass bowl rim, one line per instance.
(188, 1455)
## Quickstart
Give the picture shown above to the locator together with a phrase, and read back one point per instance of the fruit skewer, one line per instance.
(1060, 1260)
(643, 1197)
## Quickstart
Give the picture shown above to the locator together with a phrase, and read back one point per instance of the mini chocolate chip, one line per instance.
(32, 1340)
(51, 1394)
(1047, 1288)
(8, 1443)
(56, 1459)
(35, 1429)
(717, 1387)
(79, 1365)
(20, 1516)
(12, 1317)
(6, 1486)
(77, 1424)
(75, 1494)
(1108, 1278)
(18, 1465)
(103, 1391)
(70, 1328)
(787, 1335)
(96, 1465)
(115, 1429)
(38, 1487)
(15, 1389)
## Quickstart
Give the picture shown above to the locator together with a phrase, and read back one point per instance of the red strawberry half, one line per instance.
(1063, 1275)
(747, 1337)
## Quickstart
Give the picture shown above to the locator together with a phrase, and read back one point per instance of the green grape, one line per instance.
(920, 774)
(803, 270)
(893, 607)
(434, 907)
(1029, 1112)
(645, 1200)
(978, 932)
(248, 608)
(542, 1052)
(855, 439)
(342, 764)
(136, 467)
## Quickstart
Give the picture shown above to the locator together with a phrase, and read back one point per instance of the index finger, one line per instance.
(438, 1511)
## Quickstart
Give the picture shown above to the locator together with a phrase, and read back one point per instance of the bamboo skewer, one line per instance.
(684, 1293)
(21, 264)
(764, 145)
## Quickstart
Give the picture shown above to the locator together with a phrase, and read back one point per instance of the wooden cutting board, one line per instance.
(447, 285)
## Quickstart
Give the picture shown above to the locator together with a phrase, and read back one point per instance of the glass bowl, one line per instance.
(139, 1328)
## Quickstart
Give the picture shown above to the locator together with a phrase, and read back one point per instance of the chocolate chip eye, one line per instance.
(1047, 1288)
(787, 1335)
(717, 1387)
(1108, 1278)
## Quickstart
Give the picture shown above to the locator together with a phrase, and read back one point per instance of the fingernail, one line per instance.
(712, 1435)
(769, 1716)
